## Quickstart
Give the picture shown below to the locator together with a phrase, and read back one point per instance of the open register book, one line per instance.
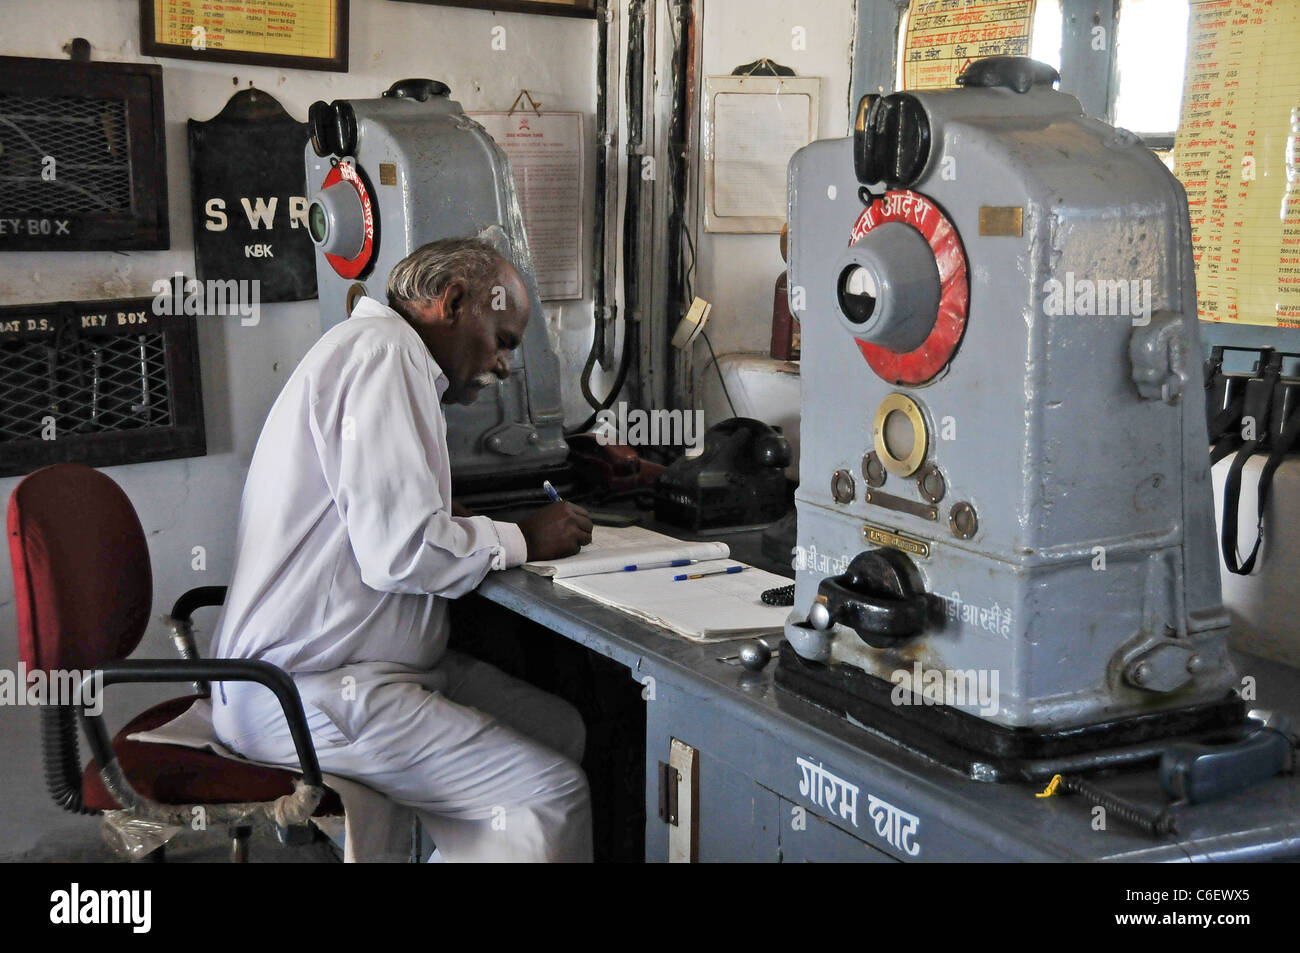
(713, 608)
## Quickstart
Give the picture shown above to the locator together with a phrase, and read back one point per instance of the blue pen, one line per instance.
(663, 565)
(712, 572)
(551, 492)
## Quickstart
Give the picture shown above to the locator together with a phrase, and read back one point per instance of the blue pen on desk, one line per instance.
(712, 572)
(663, 565)
(551, 492)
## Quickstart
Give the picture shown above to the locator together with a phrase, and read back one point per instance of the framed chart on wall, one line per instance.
(298, 34)
(563, 8)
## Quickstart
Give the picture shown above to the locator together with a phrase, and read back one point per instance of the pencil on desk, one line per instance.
(713, 572)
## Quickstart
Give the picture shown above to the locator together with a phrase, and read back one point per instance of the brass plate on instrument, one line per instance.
(906, 544)
(1002, 220)
(387, 173)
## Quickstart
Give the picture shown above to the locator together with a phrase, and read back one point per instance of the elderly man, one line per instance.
(348, 548)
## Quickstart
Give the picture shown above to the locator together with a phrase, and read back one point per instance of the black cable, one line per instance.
(704, 334)
(602, 173)
(632, 205)
(679, 19)
(624, 364)
(689, 297)
(778, 596)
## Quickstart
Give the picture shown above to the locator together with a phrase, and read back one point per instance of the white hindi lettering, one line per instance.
(810, 782)
(996, 619)
(849, 804)
(824, 789)
(897, 827)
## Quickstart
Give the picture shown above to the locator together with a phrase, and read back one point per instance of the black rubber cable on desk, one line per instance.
(778, 596)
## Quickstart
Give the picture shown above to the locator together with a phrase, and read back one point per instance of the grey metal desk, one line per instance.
(749, 738)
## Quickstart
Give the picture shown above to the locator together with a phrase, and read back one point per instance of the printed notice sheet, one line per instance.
(945, 36)
(545, 155)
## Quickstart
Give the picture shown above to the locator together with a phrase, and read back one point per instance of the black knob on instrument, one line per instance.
(345, 127)
(320, 122)
(891, 140)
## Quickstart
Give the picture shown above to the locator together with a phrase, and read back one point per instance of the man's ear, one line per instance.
(453, 300)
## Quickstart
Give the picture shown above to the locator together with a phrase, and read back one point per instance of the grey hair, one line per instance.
(424, 274)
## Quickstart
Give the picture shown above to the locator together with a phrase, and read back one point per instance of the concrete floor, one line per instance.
(78, 840)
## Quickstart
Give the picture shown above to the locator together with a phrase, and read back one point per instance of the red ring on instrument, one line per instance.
(352, 267)
(923, 364)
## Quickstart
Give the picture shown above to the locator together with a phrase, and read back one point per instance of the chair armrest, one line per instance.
(197, 598)
(182, 628)
(288, 811)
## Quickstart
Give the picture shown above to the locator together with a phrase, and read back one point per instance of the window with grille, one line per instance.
(97, 382)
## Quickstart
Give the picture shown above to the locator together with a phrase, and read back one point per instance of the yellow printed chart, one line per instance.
(1236, 155)
(945, 36)
(276, 27)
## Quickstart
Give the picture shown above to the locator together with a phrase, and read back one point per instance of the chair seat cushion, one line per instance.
(174, 774)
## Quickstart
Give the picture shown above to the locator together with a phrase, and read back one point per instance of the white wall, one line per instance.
(737, 272)
(187, 503)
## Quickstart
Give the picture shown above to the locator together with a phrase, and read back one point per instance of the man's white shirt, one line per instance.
(346, 544)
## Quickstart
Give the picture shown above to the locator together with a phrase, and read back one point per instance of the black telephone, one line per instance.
(738, 480)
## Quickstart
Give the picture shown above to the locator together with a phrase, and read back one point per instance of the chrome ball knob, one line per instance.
(819, 617)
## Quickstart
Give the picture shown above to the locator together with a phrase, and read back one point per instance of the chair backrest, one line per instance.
(83, 585)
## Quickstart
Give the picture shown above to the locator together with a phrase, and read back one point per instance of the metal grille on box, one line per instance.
(97, 382)
(82, 159)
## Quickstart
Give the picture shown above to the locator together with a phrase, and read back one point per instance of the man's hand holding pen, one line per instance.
(556, 530)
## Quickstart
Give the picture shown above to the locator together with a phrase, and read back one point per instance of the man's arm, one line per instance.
(379, 433)
(550, 533)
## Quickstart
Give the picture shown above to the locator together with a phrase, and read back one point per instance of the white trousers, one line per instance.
(488, 762)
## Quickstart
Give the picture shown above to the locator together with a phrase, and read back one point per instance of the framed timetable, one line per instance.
(1237, 153)
(564, 8)
(299, 34)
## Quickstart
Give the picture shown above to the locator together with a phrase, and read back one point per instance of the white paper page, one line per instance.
(715, 607)
(754, 136)
(613, 547)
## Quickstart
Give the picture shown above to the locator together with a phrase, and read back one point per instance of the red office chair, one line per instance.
(84, 591)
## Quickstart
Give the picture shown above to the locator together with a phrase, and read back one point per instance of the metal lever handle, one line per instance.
(1197, 773)
(881, 620)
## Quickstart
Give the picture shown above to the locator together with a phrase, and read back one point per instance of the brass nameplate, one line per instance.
(1006, 220)
(387, 173)
(906, 544)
